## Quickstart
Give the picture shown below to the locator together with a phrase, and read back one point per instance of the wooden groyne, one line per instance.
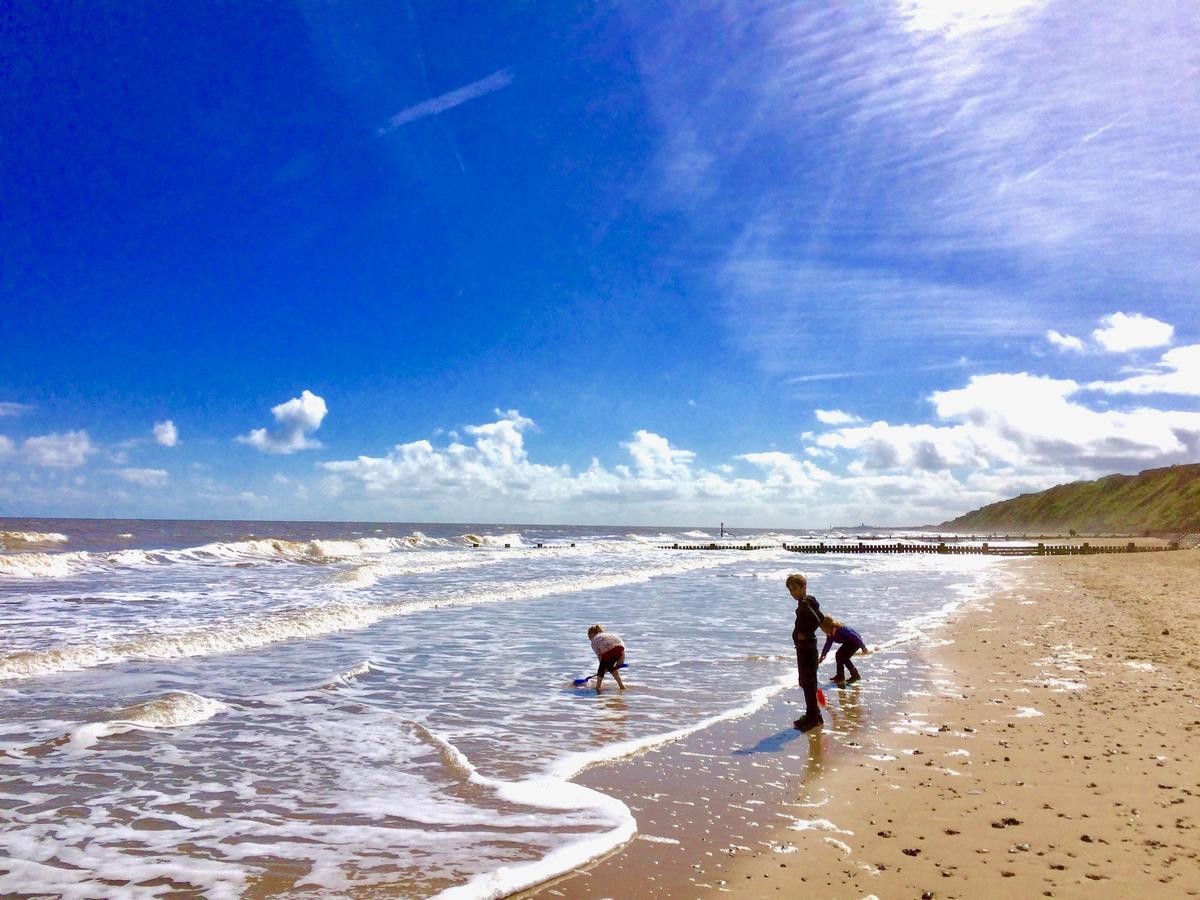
(983, 549)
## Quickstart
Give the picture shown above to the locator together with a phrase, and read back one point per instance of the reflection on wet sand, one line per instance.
(719, 794)
(612, 725)
(845, 709)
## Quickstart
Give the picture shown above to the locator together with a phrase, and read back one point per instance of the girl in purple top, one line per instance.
(851, 642)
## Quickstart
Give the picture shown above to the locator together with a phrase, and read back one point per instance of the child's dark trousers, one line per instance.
(844, 652)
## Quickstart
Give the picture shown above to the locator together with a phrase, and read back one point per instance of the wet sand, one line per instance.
(1056, 755)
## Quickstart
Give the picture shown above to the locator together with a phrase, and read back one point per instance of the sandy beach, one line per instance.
(1056, 756)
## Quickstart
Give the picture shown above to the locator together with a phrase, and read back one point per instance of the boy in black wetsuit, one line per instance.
(808, 619)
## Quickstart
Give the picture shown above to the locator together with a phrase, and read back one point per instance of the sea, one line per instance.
(253, 708)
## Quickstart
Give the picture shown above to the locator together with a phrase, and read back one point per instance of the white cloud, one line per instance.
(883, 446)
(66, 450)
(654, 457)
(497, 463)
(835, 417)
(144, 477)
(166, 433)
(295, 420)
(6, 447)
(1038, 417)
(8, 408)
(784, 472)
(435, 105)
(1177, 373)
(995, 436)
(660, 480)
(1025, 423)
(1064, 341)
(1120, 332)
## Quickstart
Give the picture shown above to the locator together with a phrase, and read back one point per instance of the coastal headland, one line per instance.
(1053, 755)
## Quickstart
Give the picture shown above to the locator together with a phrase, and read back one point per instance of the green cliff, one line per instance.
(1156, 500)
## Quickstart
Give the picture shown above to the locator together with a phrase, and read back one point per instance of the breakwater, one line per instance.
(984, 549)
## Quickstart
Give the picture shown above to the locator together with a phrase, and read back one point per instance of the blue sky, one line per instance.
(771, 263)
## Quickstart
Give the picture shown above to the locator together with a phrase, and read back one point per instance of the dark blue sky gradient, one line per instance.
(706, 223)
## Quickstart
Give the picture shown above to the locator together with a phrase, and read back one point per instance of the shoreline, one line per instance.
(719, 793)
(1053, 759)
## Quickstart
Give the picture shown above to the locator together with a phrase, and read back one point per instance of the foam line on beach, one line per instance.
(936, 619)
(555, 790)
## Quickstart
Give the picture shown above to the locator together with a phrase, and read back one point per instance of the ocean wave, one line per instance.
(320, 550)
(348, 677)
(11, 540)
(39, 565)
(250, 632)
(174, 709)
(493, 540)
(660, 538)
(367, 573)
(251, 550)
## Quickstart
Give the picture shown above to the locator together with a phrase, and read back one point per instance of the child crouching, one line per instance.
(851, 642)
(610, 650)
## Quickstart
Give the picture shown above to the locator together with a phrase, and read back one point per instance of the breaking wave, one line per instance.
(11, 540)
(174, 709)
(493, 540)
(254, 550)
(39, 565)
(348, 677)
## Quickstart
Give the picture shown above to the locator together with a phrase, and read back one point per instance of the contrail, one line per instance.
(435, 105)
(1088, 138)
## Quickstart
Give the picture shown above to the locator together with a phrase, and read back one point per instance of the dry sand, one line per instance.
(1058, 756)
